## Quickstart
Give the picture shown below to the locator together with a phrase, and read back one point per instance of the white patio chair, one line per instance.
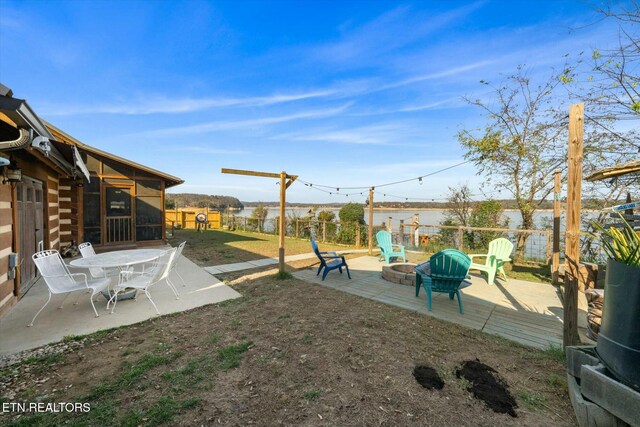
(143, 280)
(86, 250)
(174, 268)
(60, 281)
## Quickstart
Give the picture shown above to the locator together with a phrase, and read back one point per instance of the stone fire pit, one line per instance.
(402, 274)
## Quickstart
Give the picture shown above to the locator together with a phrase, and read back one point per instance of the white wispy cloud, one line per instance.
(205, 150)
(373, 40)
(383, 134)
(166, 105)
(419, 168)
(209, 127)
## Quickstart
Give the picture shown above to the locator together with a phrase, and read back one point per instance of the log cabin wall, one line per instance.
(7, 296)
(32, 166)
(68, 212)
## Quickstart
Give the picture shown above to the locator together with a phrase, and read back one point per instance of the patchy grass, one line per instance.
(231, 355)
(285, 353)
(555, 352)
(214, 247)
(533, 400)
(40, 364)
(311, 394)
(283, 275)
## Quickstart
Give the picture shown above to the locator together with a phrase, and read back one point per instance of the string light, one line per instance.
(419, 178)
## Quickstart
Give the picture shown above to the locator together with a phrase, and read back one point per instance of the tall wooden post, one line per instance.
(284, 184)
(572, 245)
(555, 259)
(371, 221)
(389, 228)
(283, 192)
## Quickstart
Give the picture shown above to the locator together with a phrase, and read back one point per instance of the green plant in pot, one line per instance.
(618, 343)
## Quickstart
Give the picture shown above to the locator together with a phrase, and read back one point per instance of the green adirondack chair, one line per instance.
(445, 272)
(387, 247)
(499, 253)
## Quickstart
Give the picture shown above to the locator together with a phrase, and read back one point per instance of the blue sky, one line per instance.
(352, 93)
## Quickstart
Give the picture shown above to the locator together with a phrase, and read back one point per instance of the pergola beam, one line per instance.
(285, 181)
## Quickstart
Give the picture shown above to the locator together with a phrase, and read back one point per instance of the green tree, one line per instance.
(351, 217)
(522, 143)
(486, 214)
(326, 216)
(326, 219)
(352, 212)
(259, 214)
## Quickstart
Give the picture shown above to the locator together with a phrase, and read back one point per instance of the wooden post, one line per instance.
(371, 221)
(401, 233)
(389, 228)
(460, 238)
(297, 228)
(283, 192)
(324, 231)
(572, 245)
(555, 260)
(284, 184)
(357, 235)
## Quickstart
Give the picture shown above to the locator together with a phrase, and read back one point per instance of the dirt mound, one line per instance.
(488, 387)
(427, 377)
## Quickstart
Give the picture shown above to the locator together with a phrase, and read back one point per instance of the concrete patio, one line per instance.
(526, 312)
(54, 324)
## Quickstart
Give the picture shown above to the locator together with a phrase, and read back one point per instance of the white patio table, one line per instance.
(121, 260)
(118, 259)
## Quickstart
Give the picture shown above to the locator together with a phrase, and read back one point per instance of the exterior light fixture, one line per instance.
(420, 180)
(13, 173)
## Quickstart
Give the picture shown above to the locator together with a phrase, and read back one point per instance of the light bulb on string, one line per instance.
(420, 180)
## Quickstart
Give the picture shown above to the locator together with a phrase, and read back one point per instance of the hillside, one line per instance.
(173, 200)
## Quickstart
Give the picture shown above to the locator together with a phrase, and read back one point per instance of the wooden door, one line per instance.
(118, 214)
(30, 228)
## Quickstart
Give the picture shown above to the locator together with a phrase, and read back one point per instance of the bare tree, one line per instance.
(460, 204)
(522, 143)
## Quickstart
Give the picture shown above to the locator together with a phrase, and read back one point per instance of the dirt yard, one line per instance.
(291, 353)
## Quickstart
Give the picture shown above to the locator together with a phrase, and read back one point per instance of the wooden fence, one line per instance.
(186, 218)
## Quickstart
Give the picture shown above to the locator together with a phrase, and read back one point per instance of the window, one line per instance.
(115, 169)
(148, 211)
(92, 215)
(148, 188)
(148, 233)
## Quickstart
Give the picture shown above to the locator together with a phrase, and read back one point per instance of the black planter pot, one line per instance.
(619, 340)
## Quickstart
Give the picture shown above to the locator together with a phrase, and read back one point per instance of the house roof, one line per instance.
(63, 137)
(632, 167)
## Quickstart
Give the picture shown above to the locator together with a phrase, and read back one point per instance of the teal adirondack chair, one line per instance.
(387, 247)
(499, 253)
(445, 272)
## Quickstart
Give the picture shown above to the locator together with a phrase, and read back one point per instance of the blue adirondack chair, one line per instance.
(387, 247)
(444, 272)
(498, 253)
(329, 261)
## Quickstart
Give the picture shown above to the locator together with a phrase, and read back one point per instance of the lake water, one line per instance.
(430, 217)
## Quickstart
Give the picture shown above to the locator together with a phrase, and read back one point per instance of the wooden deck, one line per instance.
(526, 312)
